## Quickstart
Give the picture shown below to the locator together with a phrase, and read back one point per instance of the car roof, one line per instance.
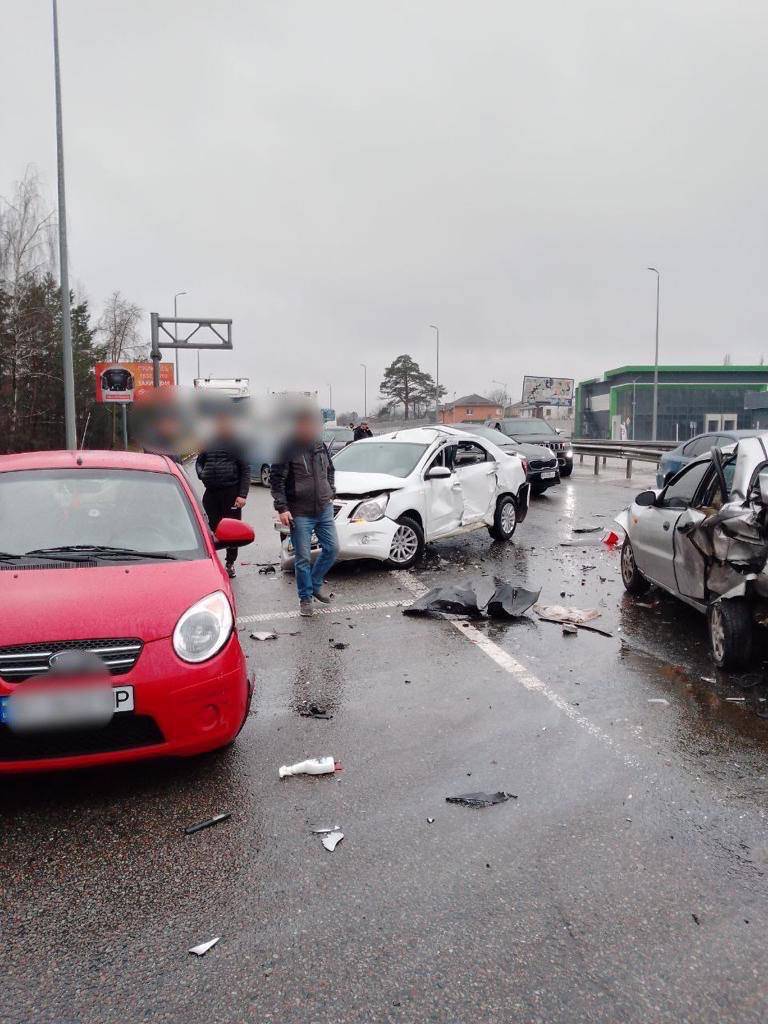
(421, 435)
(85, 460)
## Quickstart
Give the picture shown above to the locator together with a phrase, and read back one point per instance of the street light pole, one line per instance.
(365, 390)
(176, 338)
(70, 428)
(506, 392)
(436, 329)
(654, 428)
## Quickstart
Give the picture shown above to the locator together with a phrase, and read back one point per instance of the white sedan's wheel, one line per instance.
(407, 544)
(265, 476)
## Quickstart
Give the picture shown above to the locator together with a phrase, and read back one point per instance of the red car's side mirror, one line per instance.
(232, 533)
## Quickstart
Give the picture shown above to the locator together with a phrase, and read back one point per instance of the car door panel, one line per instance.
(443, 499)
(478, 483)
(653, 544)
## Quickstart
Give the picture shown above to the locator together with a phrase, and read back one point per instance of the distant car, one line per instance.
(673, 461)
(537, 431)
(543, 470)
(336, 438)
(120, 572)
(398, 491)
(261, 458)
(701, 537)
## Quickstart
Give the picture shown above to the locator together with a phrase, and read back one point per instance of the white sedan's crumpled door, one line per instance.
(478, 487)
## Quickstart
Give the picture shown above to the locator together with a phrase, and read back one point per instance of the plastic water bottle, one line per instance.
(312, 766)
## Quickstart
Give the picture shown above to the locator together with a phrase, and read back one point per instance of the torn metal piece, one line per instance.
(465, 597)
(331, 840)
(203, 948)
(215, 820)
(261, 635)
(481, 799)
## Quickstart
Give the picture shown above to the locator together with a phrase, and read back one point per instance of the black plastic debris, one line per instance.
(586, 529)
(338, 645)
(314, 711)
(481, 799)
(267, 570)
(215, 820)
(473, 597)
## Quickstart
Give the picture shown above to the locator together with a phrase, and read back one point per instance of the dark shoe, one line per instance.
(323, 595)
(305, 609)
(230, 567)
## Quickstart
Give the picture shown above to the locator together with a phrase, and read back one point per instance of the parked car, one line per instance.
(119, 569)
(336, 438)
(702, 537)
(543, 470)
(261, 457)
(532, 430)
(396, 492)
(672, 462)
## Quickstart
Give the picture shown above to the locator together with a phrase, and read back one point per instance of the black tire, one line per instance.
(730, 628)
(567, 469)
(504, 519)
(264, 475)
(407, 544)
(633, 580)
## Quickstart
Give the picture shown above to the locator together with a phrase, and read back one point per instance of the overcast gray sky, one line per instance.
(336, 175)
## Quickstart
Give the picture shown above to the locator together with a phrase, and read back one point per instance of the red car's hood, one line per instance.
(130, 600)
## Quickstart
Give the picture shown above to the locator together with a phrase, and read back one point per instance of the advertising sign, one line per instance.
(548, 390)
(127, 382)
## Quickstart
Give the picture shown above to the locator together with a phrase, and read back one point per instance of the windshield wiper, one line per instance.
(96, 551)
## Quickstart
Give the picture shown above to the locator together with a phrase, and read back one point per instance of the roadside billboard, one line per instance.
(128, 382)
(548, 391)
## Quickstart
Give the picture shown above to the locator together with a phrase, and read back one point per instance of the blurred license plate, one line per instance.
(64, 707)
(548, 474)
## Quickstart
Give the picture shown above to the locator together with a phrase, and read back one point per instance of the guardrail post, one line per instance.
(581, 460)
(629, 469)
(597, 465)
(604, 458)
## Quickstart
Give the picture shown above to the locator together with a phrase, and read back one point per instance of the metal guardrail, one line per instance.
(632, 451)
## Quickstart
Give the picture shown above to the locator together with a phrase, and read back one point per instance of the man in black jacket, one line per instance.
(362, 430)
(226, 473)
(302, 482)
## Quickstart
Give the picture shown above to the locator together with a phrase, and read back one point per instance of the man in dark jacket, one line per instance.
(302, 482)
(362, 430)
(226, 473)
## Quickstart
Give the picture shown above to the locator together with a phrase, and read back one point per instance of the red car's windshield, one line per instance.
(135, 510)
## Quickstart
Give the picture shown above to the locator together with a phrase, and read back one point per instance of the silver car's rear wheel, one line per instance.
(265, 476)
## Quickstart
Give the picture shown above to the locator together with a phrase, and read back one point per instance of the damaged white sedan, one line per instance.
(398, 491)
(704, 538)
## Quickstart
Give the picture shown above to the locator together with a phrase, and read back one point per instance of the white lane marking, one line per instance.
(339, 609)
(521, 673)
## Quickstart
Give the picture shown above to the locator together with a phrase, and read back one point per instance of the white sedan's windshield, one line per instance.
(50, 509)
(395, 458)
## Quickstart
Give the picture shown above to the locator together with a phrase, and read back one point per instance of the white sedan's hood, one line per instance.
(366, 483)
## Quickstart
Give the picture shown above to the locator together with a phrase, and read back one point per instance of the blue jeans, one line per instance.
(309, 578)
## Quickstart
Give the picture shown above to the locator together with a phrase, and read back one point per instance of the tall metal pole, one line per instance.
(70, 427)
(365, 390)
(176, 338)
(436, 329)
(654, 428)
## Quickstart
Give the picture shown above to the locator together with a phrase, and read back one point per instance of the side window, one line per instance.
(469, 454)
(679, 494)
(439, 460)
(713, 496)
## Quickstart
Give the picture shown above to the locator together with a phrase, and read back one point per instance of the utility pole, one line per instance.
(70, 428)
(436, 329)
(176, 338)
(365, 390)
(654, 428)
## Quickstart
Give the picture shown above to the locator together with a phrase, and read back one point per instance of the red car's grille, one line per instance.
(125, 732)
(27, 661)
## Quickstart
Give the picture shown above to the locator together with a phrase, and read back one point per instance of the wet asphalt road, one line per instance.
(627, 881)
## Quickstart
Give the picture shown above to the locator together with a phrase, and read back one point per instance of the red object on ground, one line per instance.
(611, 539)
(180, 708)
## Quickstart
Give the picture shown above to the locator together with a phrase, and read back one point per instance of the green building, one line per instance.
(692, 400)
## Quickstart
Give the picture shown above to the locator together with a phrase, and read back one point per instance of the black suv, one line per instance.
(536, 431)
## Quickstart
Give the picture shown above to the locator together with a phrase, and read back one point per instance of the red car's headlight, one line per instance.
(204, 628)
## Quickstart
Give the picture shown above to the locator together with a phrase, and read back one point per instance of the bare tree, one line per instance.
(119, 330)
(498, 396)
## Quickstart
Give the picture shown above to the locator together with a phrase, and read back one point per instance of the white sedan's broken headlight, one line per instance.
(371, 509)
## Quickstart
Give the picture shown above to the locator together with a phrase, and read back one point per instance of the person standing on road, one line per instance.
(226, 473)
(362, 430)
(302, 483)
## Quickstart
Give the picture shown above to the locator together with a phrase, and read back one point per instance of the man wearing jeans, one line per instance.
(302, 489)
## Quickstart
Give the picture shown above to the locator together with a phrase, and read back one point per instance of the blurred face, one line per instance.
(224, 425)
(306, 428)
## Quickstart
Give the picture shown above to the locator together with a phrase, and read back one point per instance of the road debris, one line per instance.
(263, 635)
(267, 570)
(338, 645)
(481, 799)
(215, 820)
(569, 630)
(331, 840)
(579, 617)
(320, 830)
(611, 539)
(312, 766)
(203, 948)
(658, 700)
(314, 711)
(430, 821)
(475, 596)
(587, 529)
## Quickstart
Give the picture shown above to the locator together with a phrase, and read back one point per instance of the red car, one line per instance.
(107, 556)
